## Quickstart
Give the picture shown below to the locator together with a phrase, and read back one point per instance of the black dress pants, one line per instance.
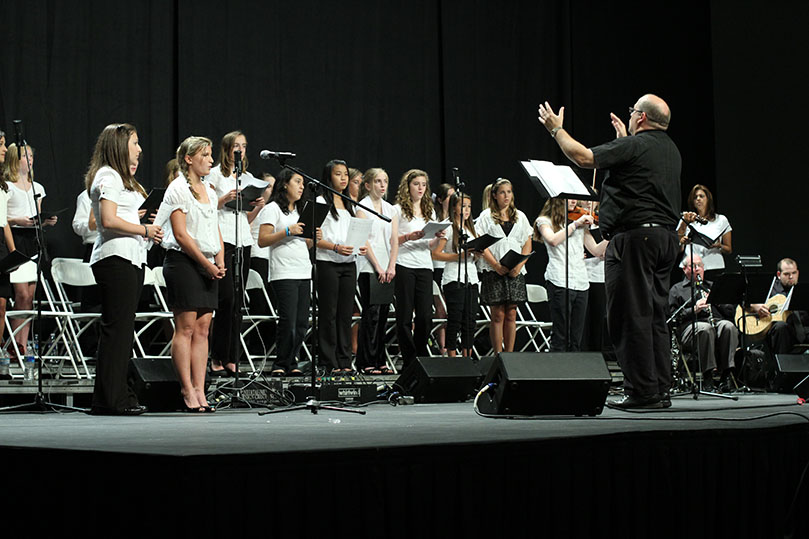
(294, 297)
(577, 308)
(638, 265)
(336, 284)
(459, 319)
(371, 337)
(120, 284)
(414, 293)
(224, 334)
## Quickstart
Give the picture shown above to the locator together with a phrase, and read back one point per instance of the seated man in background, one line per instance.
(783, 336)
(717, 337)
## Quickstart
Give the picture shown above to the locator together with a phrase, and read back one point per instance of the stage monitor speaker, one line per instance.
(563, 383)
(439, 379)
(155, 384)
(787, 371)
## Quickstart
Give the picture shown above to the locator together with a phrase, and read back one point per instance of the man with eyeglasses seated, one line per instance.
(783, 336)
(640, 207)
(717, 338)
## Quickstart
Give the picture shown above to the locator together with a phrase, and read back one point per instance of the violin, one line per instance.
(578, 211)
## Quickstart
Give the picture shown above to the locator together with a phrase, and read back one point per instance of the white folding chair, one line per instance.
(528, 319)
(70, 323)
(438, 323)
(253, 321)
(146, 320)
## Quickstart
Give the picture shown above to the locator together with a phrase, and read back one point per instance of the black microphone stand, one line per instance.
(235, 398)
(463, 256)
(313, 404)
(40, 404)
(696, 387)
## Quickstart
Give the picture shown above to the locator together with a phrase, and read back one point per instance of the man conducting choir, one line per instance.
(716, 336)
(640, 206)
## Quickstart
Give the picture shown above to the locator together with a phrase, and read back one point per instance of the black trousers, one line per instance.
(371, 337)
(459, 319)
(414, 293)
(120, 284)
(638, 265)
(336, 284)
(224, 333)
(577, 307)
(294, 297)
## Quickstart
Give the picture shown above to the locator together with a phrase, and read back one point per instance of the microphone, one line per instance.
(457, 177)
(237, 162)
(267, 154)
(18, 133)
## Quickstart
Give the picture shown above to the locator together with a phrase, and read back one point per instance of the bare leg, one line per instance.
(496, 328)
(184, 325)
(199, 354)
(510, 327)
(23, 300)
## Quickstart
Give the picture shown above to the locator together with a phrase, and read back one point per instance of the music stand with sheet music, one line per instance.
(559, 181)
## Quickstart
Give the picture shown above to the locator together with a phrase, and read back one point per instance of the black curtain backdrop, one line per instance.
(429, 84)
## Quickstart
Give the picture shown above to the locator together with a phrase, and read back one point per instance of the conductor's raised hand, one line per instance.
(550, 119)
(618, 125)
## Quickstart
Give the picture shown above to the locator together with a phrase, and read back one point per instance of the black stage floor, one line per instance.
(706, 467)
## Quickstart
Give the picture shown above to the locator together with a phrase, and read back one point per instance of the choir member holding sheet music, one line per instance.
(232, 155)
(117, 262)
(713, 240)
(379, 264)
(336, 272)
(18, 173)
(6, 241)
(414, 267)
(282, 229)
(459, 280)
(503, 288)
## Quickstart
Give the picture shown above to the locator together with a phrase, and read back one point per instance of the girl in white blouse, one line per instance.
(223, 179)
(460, 292)
(502, 289)
(21, 213)
(700, 202)
(414, 266)
(573, 283)
(336, 273)
(117, 261)
(193, 267)
(379, 263)
(6, 241)
(281, 229)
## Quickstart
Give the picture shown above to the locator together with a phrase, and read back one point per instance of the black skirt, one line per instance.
(188, 287)
(499, 289)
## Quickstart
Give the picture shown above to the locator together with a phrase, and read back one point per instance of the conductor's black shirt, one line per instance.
(643, 182)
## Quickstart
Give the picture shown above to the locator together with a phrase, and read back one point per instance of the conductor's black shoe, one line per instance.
(138, 409)
(632, 402)
(665, 400)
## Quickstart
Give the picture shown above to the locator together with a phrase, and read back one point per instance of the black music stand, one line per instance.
(559, 181)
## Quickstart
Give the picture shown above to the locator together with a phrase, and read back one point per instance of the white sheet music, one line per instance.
(433, 227)
(555, 178)
(358, 232)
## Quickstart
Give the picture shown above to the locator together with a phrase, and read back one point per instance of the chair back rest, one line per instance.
(72, 272)
(536, 293)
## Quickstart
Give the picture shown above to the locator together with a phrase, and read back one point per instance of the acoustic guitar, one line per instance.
(758, 326)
